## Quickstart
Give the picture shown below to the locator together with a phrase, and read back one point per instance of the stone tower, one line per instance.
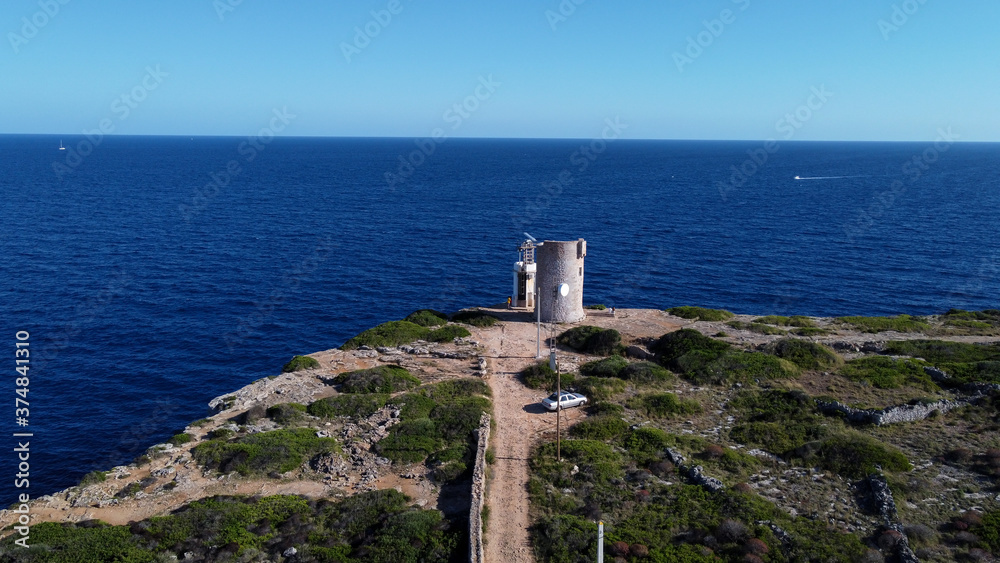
(560, 266)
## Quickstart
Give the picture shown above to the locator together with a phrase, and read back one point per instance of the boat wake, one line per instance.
(826, 177)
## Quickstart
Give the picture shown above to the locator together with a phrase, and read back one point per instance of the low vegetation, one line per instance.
(700, 313)
(900, 323)
(287, 413)
(361, 406)
(372, 526)
(607, 367)
(805, 354)
(887, 373)
(662, 405)
(592, 340)
(392, 333)
(380, 379)
(264, 453)
(427, 317)
(759, 328)
(475, 317)
(541, 376)
(300, 363)
(796, 321)
(597, 307)
(447, 333)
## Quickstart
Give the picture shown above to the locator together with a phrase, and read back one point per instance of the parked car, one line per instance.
(568, 400)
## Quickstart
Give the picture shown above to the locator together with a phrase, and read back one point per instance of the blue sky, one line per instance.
(556, 68)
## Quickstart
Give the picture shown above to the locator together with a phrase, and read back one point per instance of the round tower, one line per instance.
(560, 280)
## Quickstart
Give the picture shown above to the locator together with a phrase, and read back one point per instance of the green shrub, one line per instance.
(222, 433)
(475, 317)
(810, 331)
(287, 413)
(597, 307)
(265, 452)
(700, 313)
(392, 333)
(93, 478)
(944, 352)
(796, 320)
(201, 422)
(670, 347)
(379, 379)
(179, 439)
(645, 372)
(886, 373)
(427, 317)
(759, 328)
(411, 441)
(361, 406)
(805, 354)
(604, 427)
(448, 333)
(856, 456)
(901, 323)
(449, 471)
(607, 367)
(777, 421)
(541, 376)
(300, 363)
(592, 340)
(735, 366)
(663, 405)
(600, 388)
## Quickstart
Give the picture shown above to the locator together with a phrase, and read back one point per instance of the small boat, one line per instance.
(61, 147)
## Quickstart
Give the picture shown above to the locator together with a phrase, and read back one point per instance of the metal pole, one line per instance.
(600, 542)
(558, 412)
(538, 337)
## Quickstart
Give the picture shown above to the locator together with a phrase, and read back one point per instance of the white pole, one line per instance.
(600, 542)
(538, 338)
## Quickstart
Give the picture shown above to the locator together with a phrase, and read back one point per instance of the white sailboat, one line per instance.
(61, 147)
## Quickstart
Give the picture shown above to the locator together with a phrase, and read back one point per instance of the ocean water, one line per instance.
(156, 273)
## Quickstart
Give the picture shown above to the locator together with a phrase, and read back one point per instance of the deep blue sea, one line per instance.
(155, 273)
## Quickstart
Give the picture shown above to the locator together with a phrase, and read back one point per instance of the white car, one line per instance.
(568, 400)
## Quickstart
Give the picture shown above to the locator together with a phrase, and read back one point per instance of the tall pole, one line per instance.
(558, 413)
(538, 337)
(600, 542)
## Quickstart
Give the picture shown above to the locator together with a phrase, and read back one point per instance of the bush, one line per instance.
(662, 405)
(797, 320)
(379, 379)
(448, 333)
(93, 478)
(645, 372)
(361, 406)
(856, 456)
(805, 354)
(392, 333)
(286, 413)
(901, 323)
(604, 427)
(475, 317)
(600, 388)
(886, 373)
(541, 376)
(300, 363)
(759, 328)
(944, 352)
(700, 313)
(734, 366)
(672, 346)
(597, 307)
(810, 331)
(607, 367)
(427, 317)
(179, 439)
(265, 452)
(592, 340)
(777, 421)
(602, 408)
